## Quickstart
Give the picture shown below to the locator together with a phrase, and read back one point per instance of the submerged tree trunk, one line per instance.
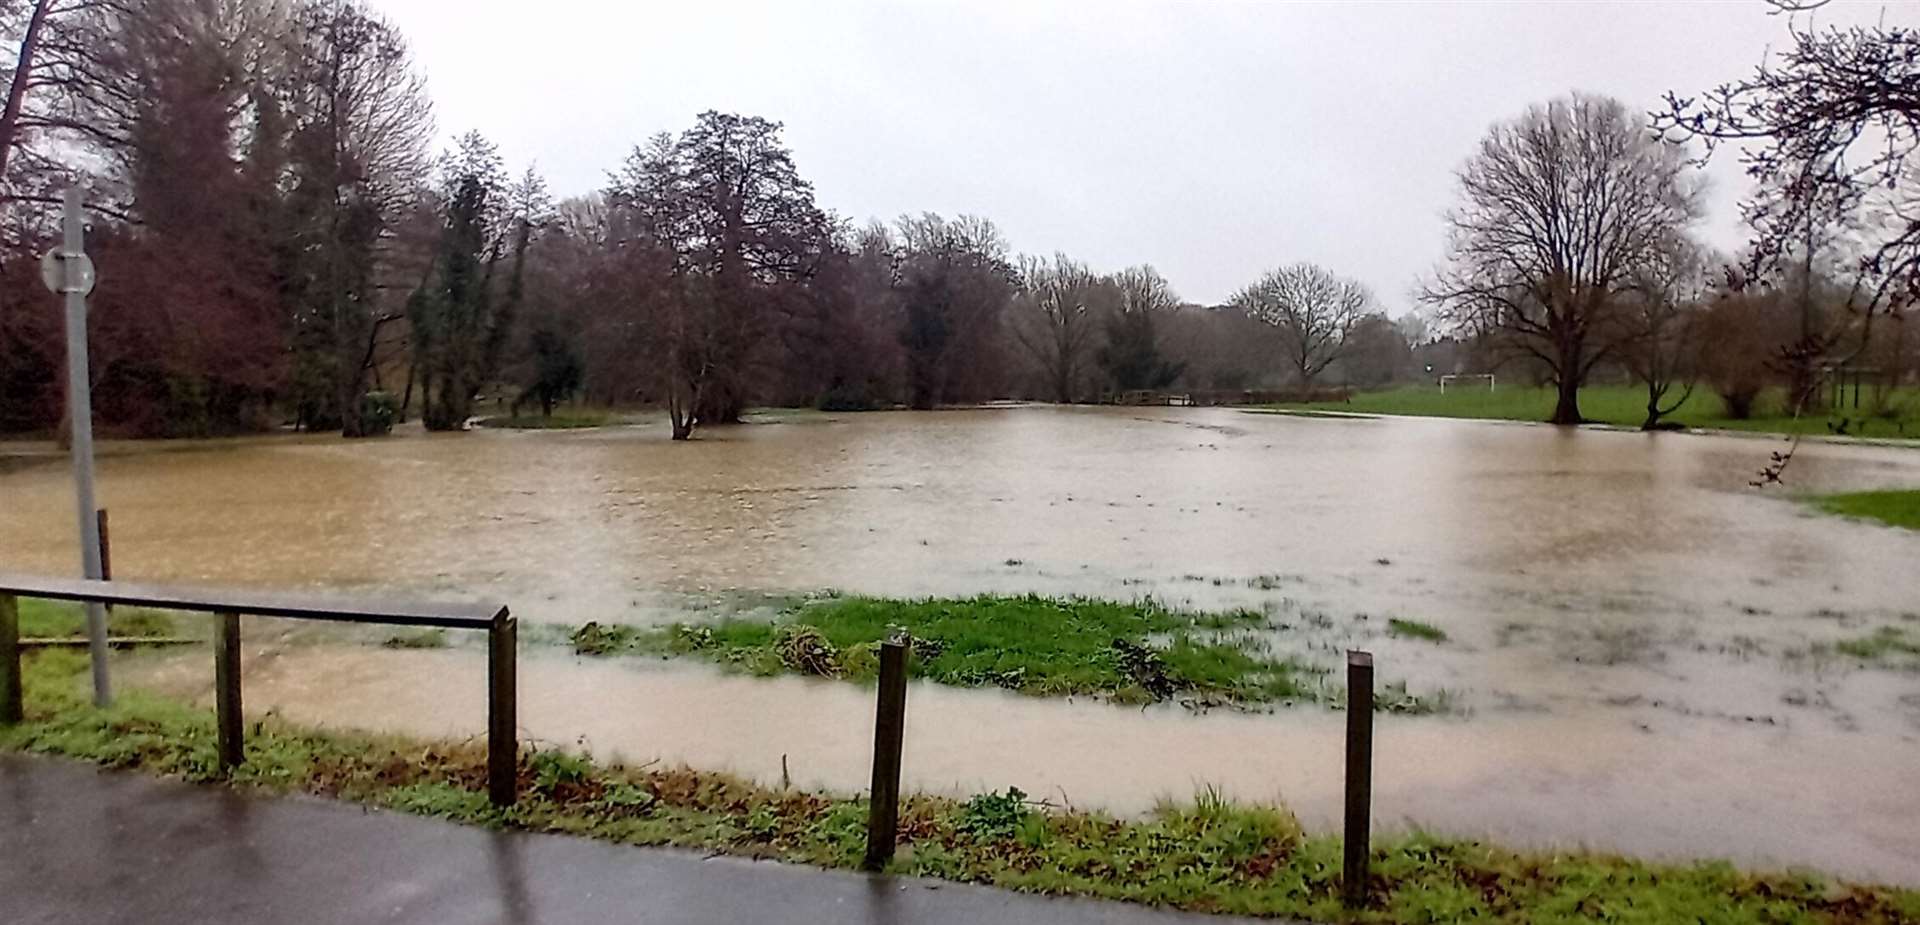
(350, 416)
(1570, 362)
(1654, 412)
(1566, 406)
(720, 402)
(406, 397)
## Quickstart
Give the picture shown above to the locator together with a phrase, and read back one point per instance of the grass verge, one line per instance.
(1130, 652)
(1626, 406)
(1894, 508)
(42, 619)
(1208, 855)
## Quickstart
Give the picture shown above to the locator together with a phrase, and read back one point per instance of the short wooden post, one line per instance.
(106, 545)
(1359, 777)
(503, 746)
(106, 551)
(230, 724)
(12, 705)
(889, 728)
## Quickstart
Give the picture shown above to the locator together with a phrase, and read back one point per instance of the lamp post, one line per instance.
(68, 272)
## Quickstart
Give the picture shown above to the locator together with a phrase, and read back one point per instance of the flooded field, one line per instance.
(1630, 629)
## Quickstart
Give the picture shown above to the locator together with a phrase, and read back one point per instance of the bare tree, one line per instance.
(1312, 308)
(1663, 308)
(357, 118)
(725, 199)
(1837, 121)
(1831, 94)
(1558, 208)
(22, 78)
(953, 282)
(1058, 324)
(1132, 355)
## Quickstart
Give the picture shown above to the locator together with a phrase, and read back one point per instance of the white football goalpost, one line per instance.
(1457, 377)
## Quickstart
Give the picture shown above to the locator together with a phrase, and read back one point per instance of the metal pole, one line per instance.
(80, 414)
(1359, 777)
(889, 728)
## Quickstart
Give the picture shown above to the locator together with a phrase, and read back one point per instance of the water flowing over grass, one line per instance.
(559, 420)
(1131, 652)
(1415, 629)
(1889, 647)
(1207, 855)
(1894, 508)
(1626, 406)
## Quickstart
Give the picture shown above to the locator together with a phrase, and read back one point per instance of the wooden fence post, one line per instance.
(503, 746)
(106, 555)
(889, 728)
(1359, 777)
(106, 545)
(12, 707)
(228, 720)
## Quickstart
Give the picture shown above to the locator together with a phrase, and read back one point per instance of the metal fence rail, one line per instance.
(227, 604)
(502, 747)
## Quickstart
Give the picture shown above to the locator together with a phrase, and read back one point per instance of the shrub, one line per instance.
(1741, 335)
(378, 411)
(851, 397)
(993, 815)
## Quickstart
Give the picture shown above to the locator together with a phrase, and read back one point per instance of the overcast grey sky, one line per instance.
(1211, 139)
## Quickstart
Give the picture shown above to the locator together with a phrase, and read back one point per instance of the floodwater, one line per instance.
(1628, 621)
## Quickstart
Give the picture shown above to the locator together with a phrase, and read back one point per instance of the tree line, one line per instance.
(1572, 253)
(279, 246)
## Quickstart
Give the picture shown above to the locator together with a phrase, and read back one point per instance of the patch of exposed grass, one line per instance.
(1415, 629)
(1320, 415)
(1209, 855)
(417, 639)
(43, 619)
(1625, 406)
(1894, 508)
(1888, 647)
(1132, 652)
(562, 420)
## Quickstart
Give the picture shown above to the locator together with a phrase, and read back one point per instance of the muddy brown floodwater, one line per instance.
(1629, 624)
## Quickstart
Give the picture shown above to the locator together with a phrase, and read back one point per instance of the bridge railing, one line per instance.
(226, 606)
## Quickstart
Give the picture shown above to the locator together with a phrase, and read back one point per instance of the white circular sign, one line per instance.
(63, 273)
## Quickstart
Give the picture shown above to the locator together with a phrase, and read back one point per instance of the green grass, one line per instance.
(1624, 406)
(1206, 855)
(1887, 647)
(1895, 508)
(41, 619)
(1131, 652)
(1415, 629)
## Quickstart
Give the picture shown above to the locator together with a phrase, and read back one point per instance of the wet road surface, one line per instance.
(81, 845)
